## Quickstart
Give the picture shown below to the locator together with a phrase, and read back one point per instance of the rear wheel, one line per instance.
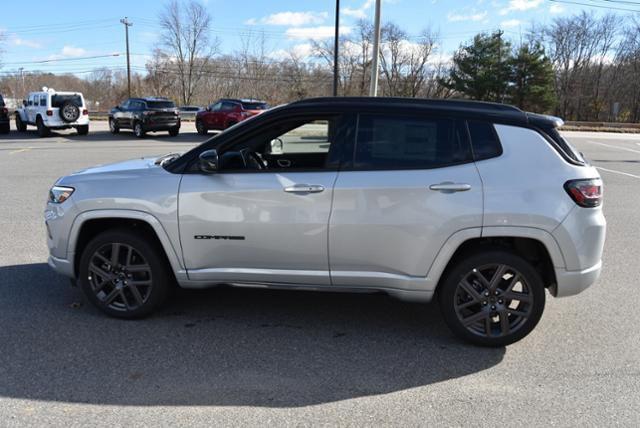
(82, 129)
(492, 298)
(4, 129)
(174, 131)
(124, 275)
(202, 130)
(113, 128)
(138, 130)
(20, 125)
(43, 131)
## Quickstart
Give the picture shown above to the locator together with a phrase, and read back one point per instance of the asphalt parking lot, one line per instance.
(257, 357)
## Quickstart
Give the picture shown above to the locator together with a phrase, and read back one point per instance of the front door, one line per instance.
(410, 185)
(263, 218)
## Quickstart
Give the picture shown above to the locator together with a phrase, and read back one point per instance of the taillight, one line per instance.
(586, 193)
(85, 112)
(49, 112)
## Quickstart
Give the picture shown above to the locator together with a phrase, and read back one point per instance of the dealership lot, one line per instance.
(236, 356)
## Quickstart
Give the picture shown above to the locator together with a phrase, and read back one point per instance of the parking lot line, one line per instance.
(618, 172)
(614, 147)
(20, 150)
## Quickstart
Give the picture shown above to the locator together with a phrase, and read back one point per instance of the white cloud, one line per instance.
(315, 33)
(292, 19)
(360, 12)
(68, 52)
(300, 51)
(471, 16)
(26, 43)
(521, 6)
(510, 23)
(556, 9)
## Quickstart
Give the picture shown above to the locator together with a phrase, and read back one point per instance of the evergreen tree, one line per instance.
(532, 79)
(481, 69)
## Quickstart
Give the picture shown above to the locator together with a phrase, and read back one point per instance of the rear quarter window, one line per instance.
(484, 140)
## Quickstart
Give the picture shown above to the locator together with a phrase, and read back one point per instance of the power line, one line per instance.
(593, 5)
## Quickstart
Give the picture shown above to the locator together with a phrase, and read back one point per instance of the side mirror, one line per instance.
(209, 161)
(276, 146)
(24, 103)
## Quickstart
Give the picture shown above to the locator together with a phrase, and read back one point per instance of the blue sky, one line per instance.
(67, 32)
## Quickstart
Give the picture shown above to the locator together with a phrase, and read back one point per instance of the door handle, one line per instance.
(304, 188)
(449, 187)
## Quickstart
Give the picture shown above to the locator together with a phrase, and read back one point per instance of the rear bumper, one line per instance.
(163, 126)
(569, 283)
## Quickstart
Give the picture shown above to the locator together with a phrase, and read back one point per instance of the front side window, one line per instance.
(385, 142)
(226, 106)
(296, 145)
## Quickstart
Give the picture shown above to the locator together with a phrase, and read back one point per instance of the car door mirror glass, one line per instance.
(276, 147)
(209, 161)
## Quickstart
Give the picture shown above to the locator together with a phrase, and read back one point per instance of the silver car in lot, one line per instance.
(481, 206)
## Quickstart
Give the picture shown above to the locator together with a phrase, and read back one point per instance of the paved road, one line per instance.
(252, 357)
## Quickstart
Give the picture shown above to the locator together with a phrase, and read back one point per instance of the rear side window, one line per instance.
(43, 100)
(385, 142)
(484, 140)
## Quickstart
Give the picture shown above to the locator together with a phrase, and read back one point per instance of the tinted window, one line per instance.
(409, 143)
(161, 104)
(484, 140)
(57, 100)
(43, 100)
(255, 106)
(228, 106)
(1, 101)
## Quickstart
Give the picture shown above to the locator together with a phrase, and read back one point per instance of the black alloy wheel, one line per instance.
(493, 299)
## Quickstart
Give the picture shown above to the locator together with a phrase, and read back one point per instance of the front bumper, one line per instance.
(62, 266)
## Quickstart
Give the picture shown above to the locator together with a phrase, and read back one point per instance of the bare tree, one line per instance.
(186, 38)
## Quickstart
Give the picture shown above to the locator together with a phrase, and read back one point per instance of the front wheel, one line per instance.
(200, 128)
(138, 130)
(123, 274)
(20, 125)
(492, 298)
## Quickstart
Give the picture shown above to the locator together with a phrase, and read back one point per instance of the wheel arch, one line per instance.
(87, 225)
(534, 245)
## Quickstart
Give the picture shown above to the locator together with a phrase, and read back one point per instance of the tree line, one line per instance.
(580, 67)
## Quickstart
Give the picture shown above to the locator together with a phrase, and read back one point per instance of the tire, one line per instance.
(20, 125)
(43, 131)
(174, 131)
(113, 128)
(69, 112)
(200, 128)
(110, 286)
(493, 316)
(4, 129)
(82, 129)
(138, 130)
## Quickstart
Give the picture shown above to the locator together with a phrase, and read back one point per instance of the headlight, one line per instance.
(59, 194)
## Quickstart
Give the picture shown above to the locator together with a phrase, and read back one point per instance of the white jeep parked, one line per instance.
(50, 109)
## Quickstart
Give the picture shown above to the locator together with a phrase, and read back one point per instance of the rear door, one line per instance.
(210, 116)
(409, 186)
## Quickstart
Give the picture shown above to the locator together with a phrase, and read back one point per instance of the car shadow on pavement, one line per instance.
(98, 136)
(229, 347)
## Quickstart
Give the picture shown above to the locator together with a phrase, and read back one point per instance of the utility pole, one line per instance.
(499, 34)
(335, 50)
(373, 89)
(127, 24)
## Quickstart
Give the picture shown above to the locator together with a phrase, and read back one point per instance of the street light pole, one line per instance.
(373, 89)
(127, 24)
(335, 50)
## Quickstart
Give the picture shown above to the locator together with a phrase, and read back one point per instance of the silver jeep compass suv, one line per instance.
(479, 205)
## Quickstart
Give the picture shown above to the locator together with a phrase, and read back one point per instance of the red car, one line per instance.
(227, 112)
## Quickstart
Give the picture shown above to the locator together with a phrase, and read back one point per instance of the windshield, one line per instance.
(255, 106)
(161, 104)
(57, 100)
